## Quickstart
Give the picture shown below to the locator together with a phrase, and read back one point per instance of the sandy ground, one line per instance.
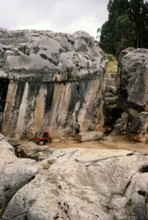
(113, 142)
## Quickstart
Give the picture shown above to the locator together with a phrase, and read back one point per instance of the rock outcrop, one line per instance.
(53, 79)
(14, 173)
(132, 85)
(138, 128)
(132, 81)
(81, 184)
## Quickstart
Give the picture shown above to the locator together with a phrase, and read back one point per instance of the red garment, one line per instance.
(39, 139)
(46, 136)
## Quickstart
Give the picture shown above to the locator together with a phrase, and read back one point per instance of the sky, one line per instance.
(65, 16)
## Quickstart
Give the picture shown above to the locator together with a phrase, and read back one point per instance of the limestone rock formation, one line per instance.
(53, 78)
(85, 184)
(14, 173)
(138, 129)
(132, 85)
(132, 81)
(121, 123)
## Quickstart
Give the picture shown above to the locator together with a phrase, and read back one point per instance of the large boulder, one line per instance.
(138, 128)
(132, 85)
(132, 81)
(14, 173)
(85, 184)
(54, 78)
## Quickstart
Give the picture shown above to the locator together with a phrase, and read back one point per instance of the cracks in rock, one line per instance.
(145, 195)
(64, 208)
(130, 154)
(62, 155)
(142, 193)
(127, 185)
(15, 216)
(93, 162)
(144, 169)
(21, 213)
(107, 208)
(70, 154)
(11, 196)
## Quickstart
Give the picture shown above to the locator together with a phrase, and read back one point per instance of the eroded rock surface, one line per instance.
(54, 78)
(138, 129)
(132, 85)
(85, 184)
(132, 81)
(14, 173)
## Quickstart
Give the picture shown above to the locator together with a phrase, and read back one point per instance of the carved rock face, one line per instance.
(54, 78)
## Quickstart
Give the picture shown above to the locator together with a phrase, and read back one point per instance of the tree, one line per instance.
(106, 34)
(136, 9)
(124, 37)
(144, 18)
(127, 26)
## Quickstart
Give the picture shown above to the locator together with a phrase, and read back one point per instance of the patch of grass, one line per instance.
(12, 135)
(112, 65)
(46, 166)
(2, 208)
(130, 202)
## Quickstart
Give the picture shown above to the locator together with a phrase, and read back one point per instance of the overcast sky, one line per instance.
(57, 15)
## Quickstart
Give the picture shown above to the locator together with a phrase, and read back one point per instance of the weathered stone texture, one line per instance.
(132, 81)
(54, 78)
(132, 84)
(85, 184)
(14, 173)
(90, 136)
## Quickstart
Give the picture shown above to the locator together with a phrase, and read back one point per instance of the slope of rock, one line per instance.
(84, 184)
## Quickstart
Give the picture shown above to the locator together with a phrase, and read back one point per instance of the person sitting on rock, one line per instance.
(45, 139)
(47, 136)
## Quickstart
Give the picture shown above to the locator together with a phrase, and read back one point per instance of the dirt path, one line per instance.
(114, 142)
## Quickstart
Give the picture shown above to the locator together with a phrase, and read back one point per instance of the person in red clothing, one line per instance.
(45, 139)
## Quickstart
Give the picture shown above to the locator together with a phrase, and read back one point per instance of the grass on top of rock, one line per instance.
(111, 67)
(2, 208)
(47, 165)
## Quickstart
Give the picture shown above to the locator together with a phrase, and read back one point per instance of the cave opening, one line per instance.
(4, 82)
(112, 114)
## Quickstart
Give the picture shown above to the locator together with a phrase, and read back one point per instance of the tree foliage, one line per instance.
(127, 26)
